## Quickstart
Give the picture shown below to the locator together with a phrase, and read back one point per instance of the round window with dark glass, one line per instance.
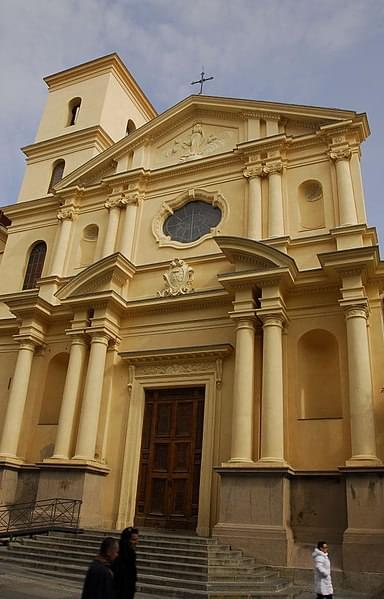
(192, 221)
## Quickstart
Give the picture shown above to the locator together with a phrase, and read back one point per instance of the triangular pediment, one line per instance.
(200, 127)
(109, 275)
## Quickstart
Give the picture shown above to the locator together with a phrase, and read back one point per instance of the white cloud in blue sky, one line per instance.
(314, 52)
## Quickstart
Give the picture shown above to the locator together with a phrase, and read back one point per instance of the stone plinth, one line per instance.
(75, 481)
(254, 512)
(363, 543)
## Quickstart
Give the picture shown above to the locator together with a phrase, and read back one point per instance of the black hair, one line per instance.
(320, 544)
(125, 546)
(106, 545)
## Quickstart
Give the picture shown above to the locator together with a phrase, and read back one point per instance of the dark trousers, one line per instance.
(324, 596)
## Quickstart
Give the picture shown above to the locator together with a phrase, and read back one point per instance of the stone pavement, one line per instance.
(16, 583)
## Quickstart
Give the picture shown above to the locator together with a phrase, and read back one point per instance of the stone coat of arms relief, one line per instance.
(178, 279)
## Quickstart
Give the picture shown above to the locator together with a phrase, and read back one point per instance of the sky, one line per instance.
(316, 52)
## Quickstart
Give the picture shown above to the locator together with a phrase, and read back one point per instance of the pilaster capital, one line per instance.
(254, 170)
(274, 167)
(337, 154)
(65, 214)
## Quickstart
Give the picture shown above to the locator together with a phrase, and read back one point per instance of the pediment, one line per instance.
(249, 255)
(202, 126)
(108, 275)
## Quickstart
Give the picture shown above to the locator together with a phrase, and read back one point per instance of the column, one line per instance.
(276, 213)
(360, 386)
(255, 223)
(113, 205)
(272, 406)
(347, 206)
(243, 392)
(64, 216)
(129, 222)
(17, 399)
(70, 397)
(90, 409)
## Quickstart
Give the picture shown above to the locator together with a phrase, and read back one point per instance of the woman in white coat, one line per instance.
(322, 565)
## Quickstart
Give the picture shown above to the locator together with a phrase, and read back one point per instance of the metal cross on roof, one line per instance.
(202, 80)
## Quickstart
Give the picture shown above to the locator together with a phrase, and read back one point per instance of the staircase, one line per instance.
(169, 565)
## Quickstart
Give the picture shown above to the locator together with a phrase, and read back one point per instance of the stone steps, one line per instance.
(171, 566)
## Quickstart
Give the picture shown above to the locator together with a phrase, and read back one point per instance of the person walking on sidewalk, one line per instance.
(322, 566)
(98, 582)
(124, 567)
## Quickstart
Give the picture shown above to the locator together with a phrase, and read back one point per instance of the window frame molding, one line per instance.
(214, 198)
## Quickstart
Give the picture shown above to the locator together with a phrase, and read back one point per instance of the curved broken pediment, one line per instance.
(247, 254)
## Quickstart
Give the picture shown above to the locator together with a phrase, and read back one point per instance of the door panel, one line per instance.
(168, 491)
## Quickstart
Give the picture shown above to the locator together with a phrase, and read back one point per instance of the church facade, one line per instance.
(191, 321)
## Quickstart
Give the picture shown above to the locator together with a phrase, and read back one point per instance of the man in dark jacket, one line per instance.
(124, 567)
(98, 582)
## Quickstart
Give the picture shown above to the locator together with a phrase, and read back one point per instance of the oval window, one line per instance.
(192, 221)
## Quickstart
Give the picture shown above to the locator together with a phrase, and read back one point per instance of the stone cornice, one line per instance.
(68, 142)
(26, 304)
(196, 299)
(177, 354)
(279, 276)
(45, 205)
(363, 260)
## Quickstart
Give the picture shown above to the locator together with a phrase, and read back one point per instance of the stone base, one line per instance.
(363, 542)
(77, 482)
(254, 513)
(8, 484)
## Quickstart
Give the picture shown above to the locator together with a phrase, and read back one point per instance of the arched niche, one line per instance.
(311, 205)
(53, 389)
(318, 373)
(88, 244)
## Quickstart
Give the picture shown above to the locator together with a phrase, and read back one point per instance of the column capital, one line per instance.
(244, 320)
(132, 198)
(65, 214)
(115, 202)
(276, 318)
(254, 170)
(273, 167)
(102, 335)
(340, 153)
(77, 337)
(28, 342)
(360, 310)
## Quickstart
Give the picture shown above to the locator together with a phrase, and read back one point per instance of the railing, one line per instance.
(39, 516)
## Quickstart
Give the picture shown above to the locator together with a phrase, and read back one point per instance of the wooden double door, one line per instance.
(169, 478)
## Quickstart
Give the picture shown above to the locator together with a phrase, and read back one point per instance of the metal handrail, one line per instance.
(39, 516)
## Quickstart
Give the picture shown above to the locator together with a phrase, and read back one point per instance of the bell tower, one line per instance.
(89, 107)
